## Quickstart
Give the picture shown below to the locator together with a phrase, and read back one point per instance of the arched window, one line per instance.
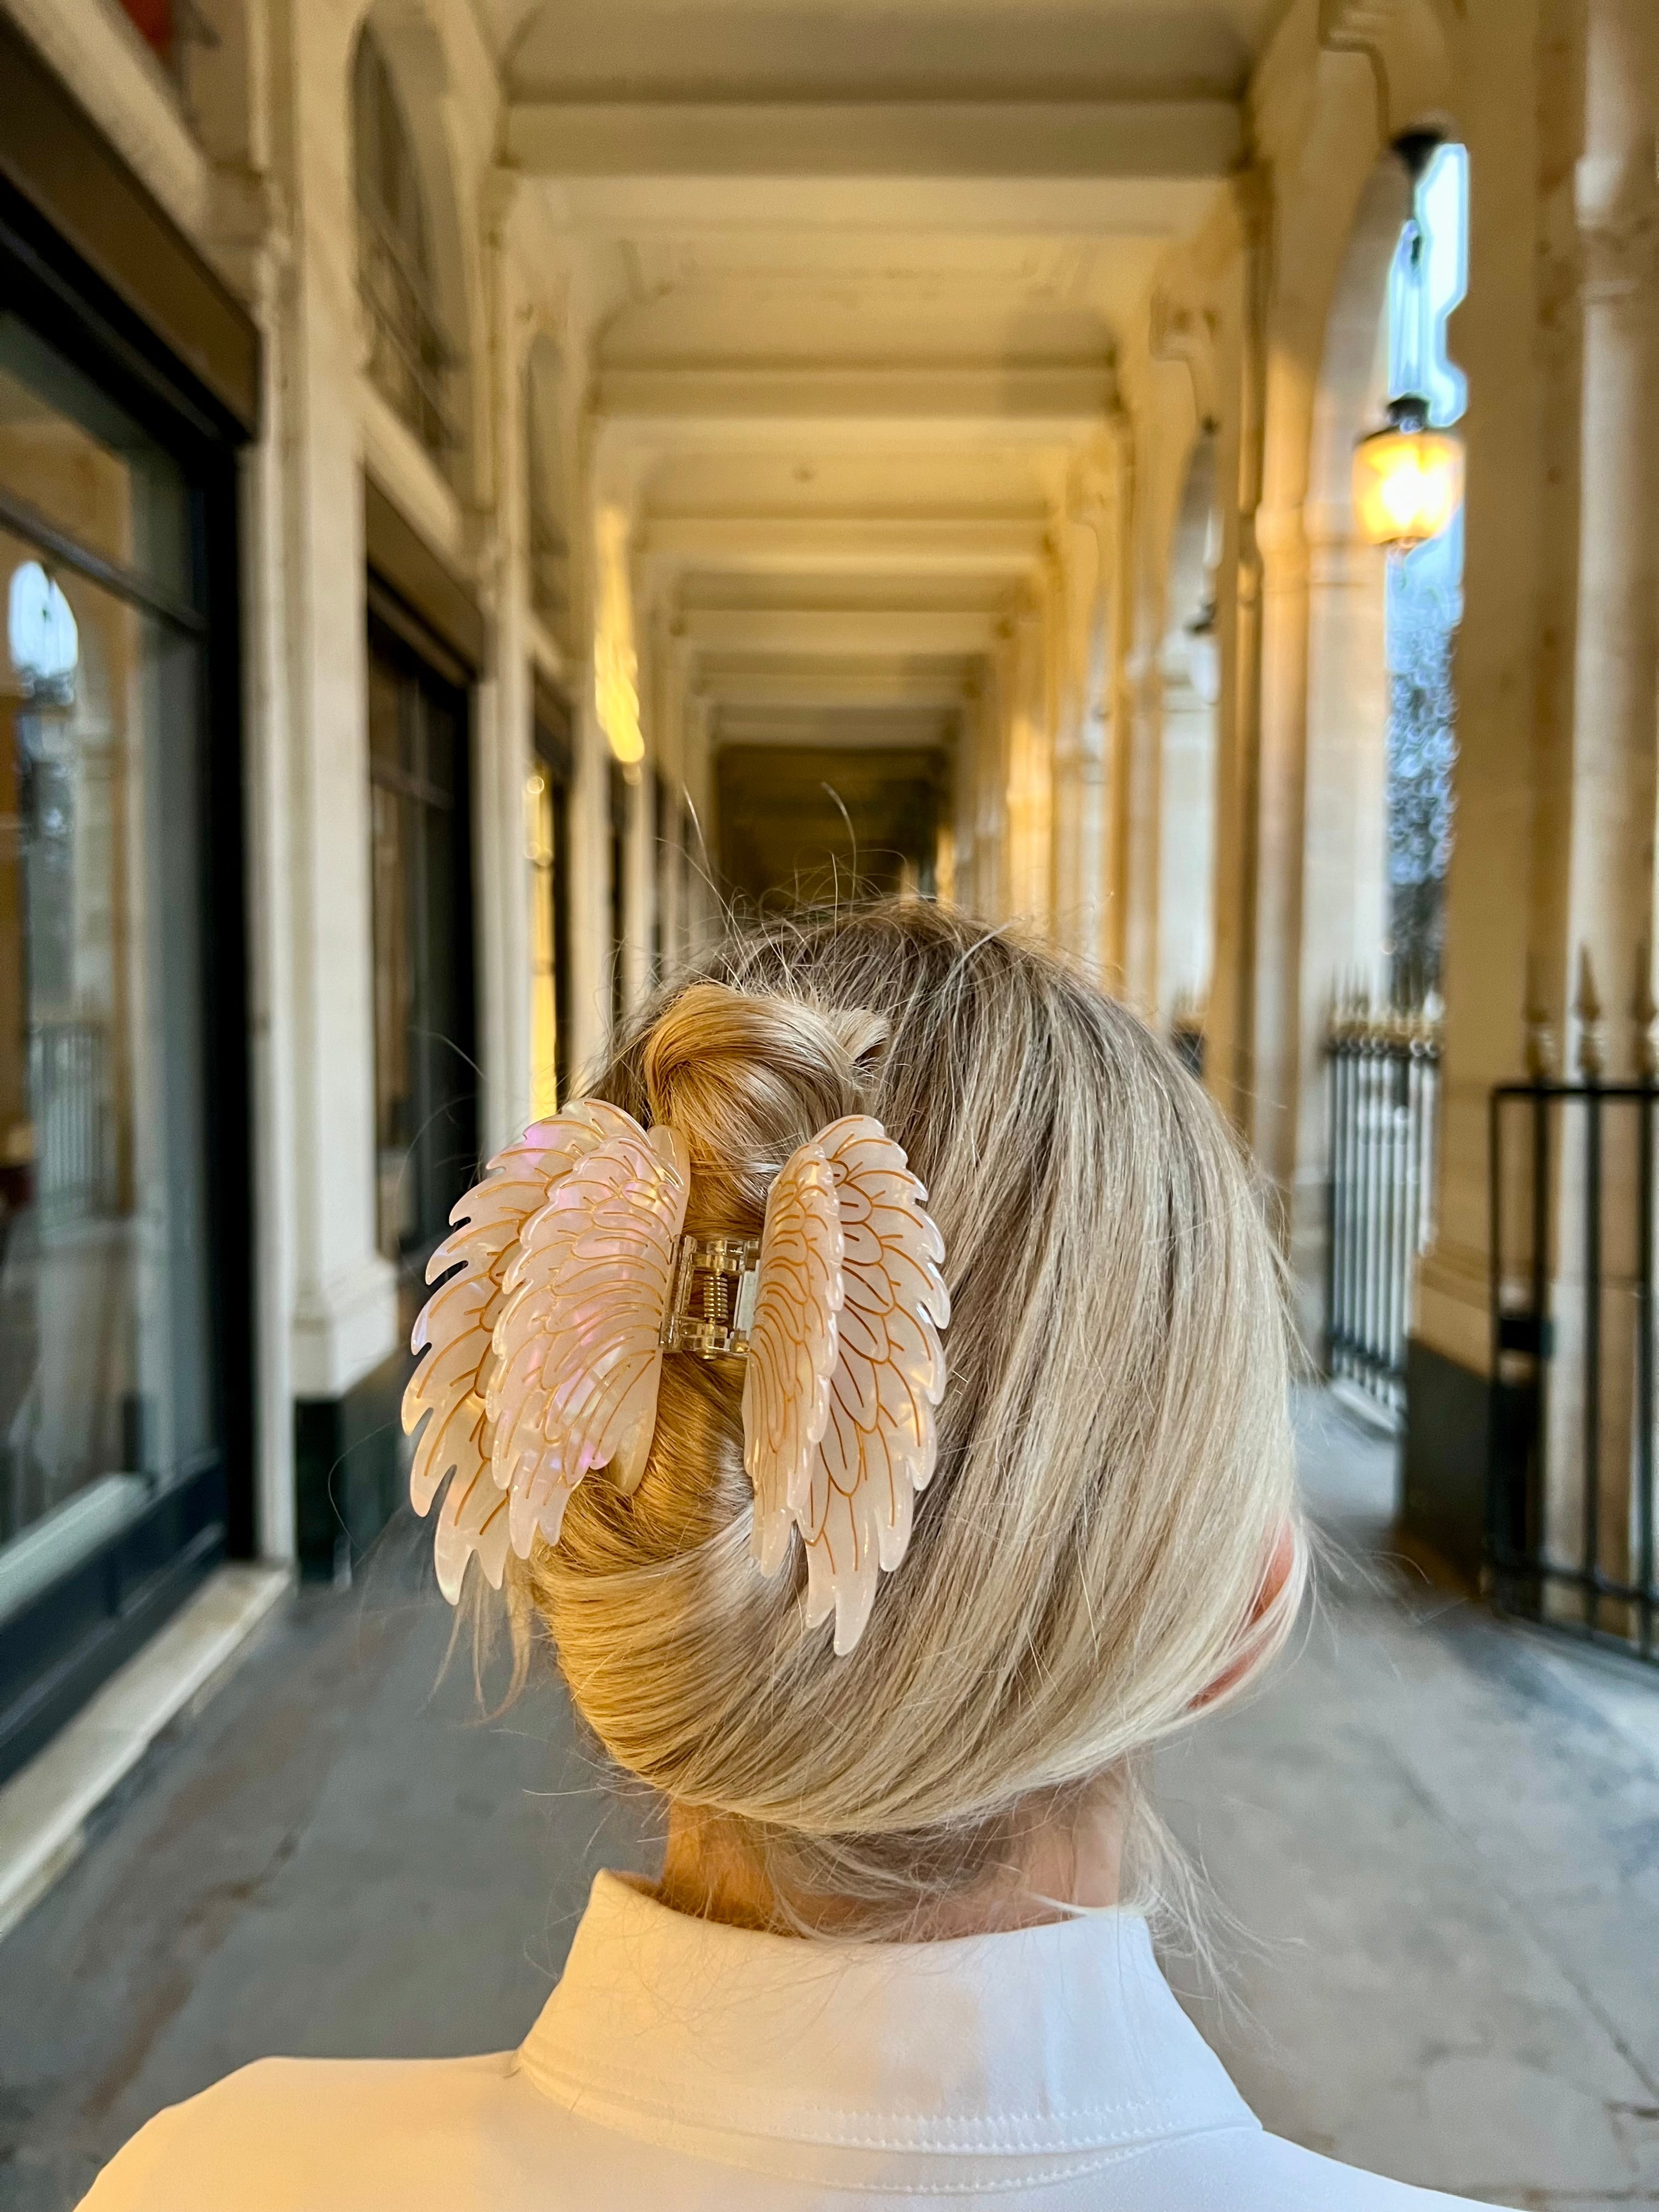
(410, 358)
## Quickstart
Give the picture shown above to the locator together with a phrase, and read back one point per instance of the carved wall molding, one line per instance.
(1187, 334)
(1411, 45)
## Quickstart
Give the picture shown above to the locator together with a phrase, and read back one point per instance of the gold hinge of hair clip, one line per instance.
(711, 1307)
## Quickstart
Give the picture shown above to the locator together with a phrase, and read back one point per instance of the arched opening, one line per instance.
(1191, 679)
(1377, 826)
(1427, 280)
(412, 360)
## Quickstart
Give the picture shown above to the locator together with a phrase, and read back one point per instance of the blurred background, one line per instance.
(488, 487)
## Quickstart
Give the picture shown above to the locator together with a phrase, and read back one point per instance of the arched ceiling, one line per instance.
(866, 266)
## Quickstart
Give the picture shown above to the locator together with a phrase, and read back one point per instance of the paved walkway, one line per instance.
(1439, 1838)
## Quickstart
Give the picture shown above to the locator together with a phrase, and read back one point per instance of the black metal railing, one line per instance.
(1384, 1087)
(1570, 1504)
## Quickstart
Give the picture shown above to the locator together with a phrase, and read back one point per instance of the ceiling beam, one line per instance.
(809, 545)
(1138, 139)
(675, 208)
(862, 728)
(838, 685)
(1042, 399)
(835, 633)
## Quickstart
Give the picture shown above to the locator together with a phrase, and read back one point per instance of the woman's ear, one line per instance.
(1280, 1567)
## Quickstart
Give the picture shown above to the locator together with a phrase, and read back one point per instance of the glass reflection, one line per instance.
(105, 1394)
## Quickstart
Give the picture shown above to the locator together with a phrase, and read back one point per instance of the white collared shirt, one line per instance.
(681, 2066)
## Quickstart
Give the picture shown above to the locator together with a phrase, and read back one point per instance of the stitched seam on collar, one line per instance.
(1001, 2134)
(1075, 2169)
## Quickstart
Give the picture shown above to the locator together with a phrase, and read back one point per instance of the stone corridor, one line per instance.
(1434, 1843)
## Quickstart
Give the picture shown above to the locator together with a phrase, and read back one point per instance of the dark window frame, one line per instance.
(403, 639)
(58, 1650)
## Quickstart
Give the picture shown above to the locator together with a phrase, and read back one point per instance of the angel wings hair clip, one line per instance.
(568, 1277)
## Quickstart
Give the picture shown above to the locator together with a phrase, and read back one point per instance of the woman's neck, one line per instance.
(1061, 1864)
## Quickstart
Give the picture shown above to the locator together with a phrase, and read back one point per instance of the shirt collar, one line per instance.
(1062, 2042)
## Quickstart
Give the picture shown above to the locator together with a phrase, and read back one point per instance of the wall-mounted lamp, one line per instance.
(1408, 475)
(1408, 478)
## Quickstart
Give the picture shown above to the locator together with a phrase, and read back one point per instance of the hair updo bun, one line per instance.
(1113, 1462)
(745, 1080)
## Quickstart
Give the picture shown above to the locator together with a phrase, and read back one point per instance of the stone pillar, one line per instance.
(502, 528)
(1228, 1059)
(1344, 891)
(1281, 800)
(344, 1314)
(1030, 758)
(1078, 825)
(1610, 870)
(1554, 784)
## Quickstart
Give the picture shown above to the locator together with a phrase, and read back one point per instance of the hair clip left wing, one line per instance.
(543, 1350)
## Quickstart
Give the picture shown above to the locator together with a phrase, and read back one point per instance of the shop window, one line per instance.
(111, 1476)
(425, 1078)
(411, 360)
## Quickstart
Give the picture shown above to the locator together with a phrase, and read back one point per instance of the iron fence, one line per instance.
(1383, 1084)
(1570, 1504)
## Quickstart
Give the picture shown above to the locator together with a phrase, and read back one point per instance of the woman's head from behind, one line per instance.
(1113, 1471)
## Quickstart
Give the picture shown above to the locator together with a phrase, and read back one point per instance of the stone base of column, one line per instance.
(1449, 1413)
(348, 1470)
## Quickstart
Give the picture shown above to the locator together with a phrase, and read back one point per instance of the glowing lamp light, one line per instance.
(1408, 479)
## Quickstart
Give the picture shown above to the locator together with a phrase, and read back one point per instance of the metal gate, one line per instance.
(1570, 1481)
(1383, 1076)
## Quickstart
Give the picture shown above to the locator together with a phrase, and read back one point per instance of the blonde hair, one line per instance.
(1114, 1466)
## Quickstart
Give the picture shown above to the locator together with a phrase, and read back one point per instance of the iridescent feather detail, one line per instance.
(578, 1343)
(855, 1498)
(792, 1344)
(455, 1330)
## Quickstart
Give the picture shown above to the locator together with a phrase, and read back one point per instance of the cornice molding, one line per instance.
(123, 88)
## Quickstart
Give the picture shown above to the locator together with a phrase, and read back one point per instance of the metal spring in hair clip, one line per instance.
(711, 1305)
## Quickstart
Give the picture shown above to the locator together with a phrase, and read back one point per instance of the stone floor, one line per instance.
(1434, 1843)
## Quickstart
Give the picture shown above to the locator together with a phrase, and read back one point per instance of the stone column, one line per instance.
(1611, 866)
(344, 1317)
(1228, 1059)
(1555, 779)
(1610, 870)
(1077, 824)
(502, 710)
(1029, 784)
